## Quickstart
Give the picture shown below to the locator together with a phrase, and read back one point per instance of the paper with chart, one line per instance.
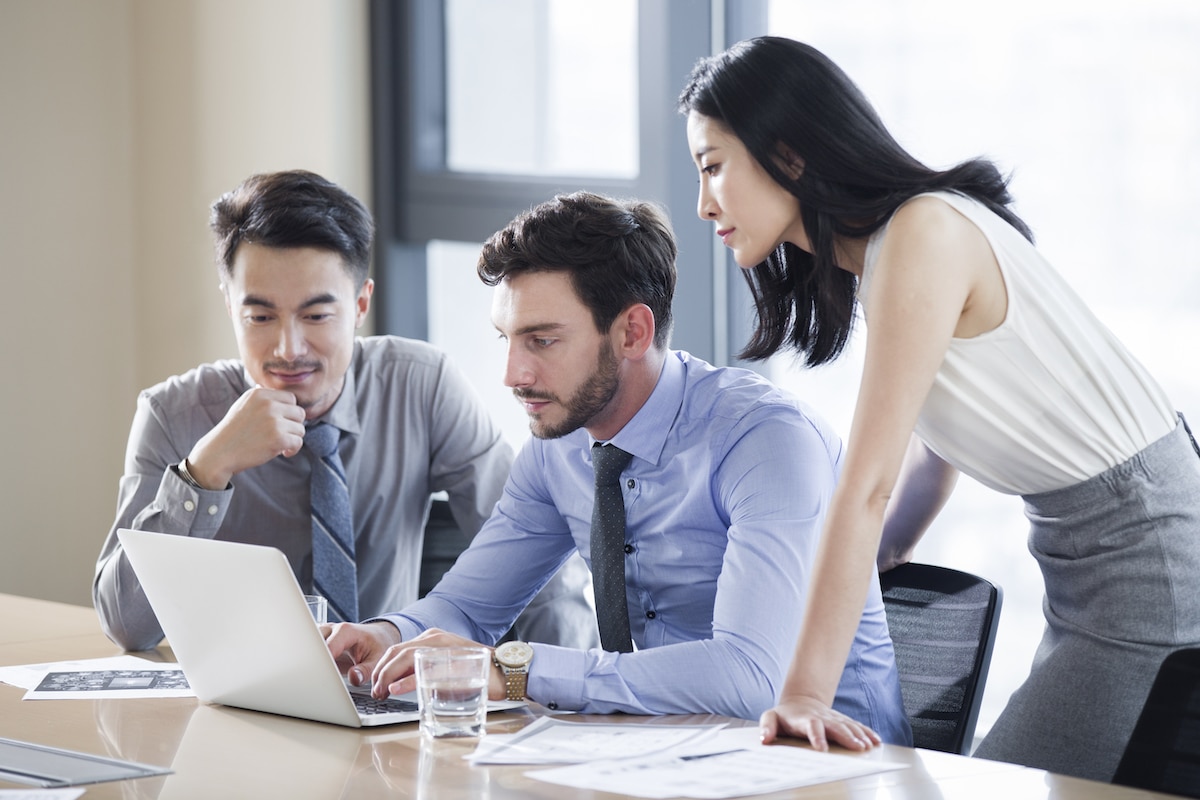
(552, 740)
(748, 768)
(95, 678)
(111, 684)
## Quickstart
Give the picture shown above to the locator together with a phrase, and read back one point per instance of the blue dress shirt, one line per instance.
(724, 499)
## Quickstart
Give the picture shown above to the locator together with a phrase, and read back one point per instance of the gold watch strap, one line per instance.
(516, 681)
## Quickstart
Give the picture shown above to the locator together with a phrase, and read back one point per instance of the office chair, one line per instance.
(943, 626)
(1163, 755)
(444, 540)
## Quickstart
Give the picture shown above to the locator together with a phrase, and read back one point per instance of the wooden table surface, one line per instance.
(218, 752)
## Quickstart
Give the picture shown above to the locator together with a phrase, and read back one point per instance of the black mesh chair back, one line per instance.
(444, 541)
(1163, 755)
(943, 625)
(443, 544)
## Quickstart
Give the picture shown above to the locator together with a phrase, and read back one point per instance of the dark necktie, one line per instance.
(608, 549)
(334, 573)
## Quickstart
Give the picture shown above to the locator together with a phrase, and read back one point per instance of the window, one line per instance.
(536, 87)
(486, 107)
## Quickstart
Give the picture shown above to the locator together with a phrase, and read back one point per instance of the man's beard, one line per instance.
(588, 401)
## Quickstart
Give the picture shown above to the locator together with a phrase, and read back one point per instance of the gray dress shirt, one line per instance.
(412, 426)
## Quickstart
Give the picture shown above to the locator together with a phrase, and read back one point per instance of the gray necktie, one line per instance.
(334, 573)
(608, 549)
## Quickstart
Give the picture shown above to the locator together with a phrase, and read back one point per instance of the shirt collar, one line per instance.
(645, 436)
(344, 412)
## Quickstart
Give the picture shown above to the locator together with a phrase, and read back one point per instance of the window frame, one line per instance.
(418, 199)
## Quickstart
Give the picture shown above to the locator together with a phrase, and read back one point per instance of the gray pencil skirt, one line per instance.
(1120, 556)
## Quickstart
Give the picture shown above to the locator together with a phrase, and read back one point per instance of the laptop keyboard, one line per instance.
(366, 704)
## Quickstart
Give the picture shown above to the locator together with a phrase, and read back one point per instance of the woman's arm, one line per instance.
(922, 488)
(936, 277)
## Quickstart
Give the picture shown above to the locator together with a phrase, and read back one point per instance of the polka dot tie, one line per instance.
(334, 572)
(608, 548)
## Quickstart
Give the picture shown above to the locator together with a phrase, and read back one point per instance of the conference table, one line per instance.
(215, 751)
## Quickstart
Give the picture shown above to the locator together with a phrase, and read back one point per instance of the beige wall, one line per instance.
(120, 121)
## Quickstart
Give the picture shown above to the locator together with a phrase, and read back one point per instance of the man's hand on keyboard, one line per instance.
(395, 672)
(357, 648)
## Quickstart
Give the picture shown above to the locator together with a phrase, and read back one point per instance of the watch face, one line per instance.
(514, 654)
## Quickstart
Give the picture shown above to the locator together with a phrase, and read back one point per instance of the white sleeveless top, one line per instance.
(1049, 398)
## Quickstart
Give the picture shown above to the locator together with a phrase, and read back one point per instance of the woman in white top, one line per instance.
(977, 347)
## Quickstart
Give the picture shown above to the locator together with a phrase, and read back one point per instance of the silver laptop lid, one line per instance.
(238, 624)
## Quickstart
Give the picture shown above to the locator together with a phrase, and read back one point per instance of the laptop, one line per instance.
(238, 624)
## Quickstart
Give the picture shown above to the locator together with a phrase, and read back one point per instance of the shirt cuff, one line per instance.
(200, 512)
(409, 630)
(556, 676)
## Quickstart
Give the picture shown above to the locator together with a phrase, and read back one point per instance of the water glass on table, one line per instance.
(452, 685)
(319, 607)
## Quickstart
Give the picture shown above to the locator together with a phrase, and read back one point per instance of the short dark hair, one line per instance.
(778, 96)
(293, 209)
(618, 253)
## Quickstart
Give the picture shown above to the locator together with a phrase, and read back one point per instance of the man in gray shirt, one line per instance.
(218, 452)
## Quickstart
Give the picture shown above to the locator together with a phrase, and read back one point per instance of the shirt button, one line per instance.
(553, 706)
(188, 505)
(631, 483)
(628, 548)
(212, 511)
(650, 615)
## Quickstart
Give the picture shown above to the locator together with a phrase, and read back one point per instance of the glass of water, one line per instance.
(319, 607)
(452, 685)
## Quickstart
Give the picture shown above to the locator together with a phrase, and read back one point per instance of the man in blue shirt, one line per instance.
(724, 496)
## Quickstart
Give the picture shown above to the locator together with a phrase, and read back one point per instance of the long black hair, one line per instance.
(779, 96)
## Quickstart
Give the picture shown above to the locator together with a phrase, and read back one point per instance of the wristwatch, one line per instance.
(513, 660)
(186, 474)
